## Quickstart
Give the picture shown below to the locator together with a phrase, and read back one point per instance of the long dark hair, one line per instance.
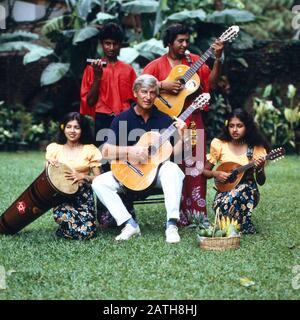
(253, 136)
(86, 131)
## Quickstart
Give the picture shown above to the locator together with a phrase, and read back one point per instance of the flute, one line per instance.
(103, 62)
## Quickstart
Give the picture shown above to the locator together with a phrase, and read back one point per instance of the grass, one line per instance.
(146, 267)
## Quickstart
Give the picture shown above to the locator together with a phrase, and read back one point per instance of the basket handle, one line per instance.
(217, 219)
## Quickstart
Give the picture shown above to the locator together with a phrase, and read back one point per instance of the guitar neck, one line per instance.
(196, 66)
(245, 167)
(249, 165)
(171, 129)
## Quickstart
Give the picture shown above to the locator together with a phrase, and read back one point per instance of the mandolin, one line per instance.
(172, 104)
(140, 176)
(237, 171)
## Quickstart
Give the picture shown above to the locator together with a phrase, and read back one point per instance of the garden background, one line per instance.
(42, 54)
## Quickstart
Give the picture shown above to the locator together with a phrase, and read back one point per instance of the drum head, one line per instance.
(57, 177)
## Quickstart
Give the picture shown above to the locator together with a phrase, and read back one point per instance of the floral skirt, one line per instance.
(239, 203)
(193, 200)
(76, 218)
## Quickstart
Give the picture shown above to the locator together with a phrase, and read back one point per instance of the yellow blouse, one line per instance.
(220, 152)
(87, 158)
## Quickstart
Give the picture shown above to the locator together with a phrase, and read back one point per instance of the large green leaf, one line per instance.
(186, 15)
(84, 7)
(230, 16)
(153, 45)
(36, 53)
(128, 55)
(55, 24)
(54, 72)
(143, 6)
(18, 36)
(85, 33)
(151, 48)
(102, 17)
(17, 46)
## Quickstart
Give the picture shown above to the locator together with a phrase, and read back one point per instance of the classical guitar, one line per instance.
(140, 176)
(172, 104)
(237, 171)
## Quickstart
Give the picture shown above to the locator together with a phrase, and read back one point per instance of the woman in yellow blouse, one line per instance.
(73, 147)
(241, 142)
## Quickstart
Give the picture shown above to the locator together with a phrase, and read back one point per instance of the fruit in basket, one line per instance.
(202, 233)
(219, 234)
(230, 226)
(209, 233)
(231, 230)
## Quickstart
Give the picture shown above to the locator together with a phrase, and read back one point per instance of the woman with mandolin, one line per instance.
(241, 149)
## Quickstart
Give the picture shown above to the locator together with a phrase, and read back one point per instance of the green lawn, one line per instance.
(40, 266)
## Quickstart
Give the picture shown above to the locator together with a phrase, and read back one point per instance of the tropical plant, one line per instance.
(273, 18)
(292, 112)
(277, 121)
(18, 128)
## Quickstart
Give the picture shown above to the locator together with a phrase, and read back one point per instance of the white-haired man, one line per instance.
(144, 116)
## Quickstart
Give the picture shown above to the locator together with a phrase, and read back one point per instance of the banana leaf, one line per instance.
(36, 54)
(18, 36)
(143, 6)
(230, 16)
(85, 33)
(54, 72)
(199, 15)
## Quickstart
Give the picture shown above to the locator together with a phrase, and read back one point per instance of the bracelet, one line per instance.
(260, 170)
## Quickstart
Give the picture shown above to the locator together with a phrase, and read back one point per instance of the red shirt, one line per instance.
(115, 89)
(160, 69)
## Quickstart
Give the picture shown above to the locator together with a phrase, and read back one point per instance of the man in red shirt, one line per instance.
(176, 38)
(107, 91)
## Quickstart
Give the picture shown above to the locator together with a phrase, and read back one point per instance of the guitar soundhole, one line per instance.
(152, 150)
(182, 80)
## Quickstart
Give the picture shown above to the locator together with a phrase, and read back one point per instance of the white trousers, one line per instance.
(169, 179)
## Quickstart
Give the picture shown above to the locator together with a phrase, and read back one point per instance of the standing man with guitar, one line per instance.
(176, 38)
(127, 128)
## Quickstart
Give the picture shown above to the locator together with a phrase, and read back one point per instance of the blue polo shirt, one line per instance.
(128, 127)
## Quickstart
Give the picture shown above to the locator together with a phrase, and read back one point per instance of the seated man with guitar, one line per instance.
(139, 166)
(240, 147)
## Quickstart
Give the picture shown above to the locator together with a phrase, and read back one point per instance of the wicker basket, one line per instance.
(219, 243)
